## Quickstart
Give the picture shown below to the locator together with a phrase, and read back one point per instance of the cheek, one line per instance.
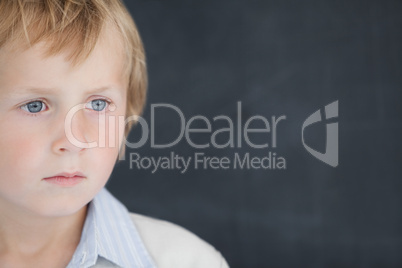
(109, 140)
(112, 128)
(20, 147)
(20, 157)
(104, 160)
(102, 165)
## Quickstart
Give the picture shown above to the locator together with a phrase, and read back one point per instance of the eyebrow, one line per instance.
(24, 90)
(52, 91)
(100, 89)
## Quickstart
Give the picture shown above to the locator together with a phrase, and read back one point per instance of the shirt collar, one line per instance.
(110, 233)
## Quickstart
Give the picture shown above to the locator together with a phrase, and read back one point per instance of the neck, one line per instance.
(27, 236)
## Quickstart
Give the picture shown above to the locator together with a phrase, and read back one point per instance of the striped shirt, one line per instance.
(109, 237)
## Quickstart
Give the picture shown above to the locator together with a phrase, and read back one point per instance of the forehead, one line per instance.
(34, 64)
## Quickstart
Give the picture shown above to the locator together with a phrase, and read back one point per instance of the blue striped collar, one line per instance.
(110, 233)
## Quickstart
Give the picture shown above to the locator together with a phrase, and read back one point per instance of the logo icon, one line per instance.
(330, 156)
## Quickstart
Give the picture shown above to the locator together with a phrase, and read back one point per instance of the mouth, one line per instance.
(66, 179)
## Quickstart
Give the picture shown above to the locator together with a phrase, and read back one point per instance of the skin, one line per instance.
(41, 222)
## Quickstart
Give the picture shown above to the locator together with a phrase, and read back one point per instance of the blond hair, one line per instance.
(76, 25)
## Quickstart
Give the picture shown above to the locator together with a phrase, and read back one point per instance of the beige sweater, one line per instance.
(172, 246)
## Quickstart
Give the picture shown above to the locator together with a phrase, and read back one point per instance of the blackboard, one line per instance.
(275, 58)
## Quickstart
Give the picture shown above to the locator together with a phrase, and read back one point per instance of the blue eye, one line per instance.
(98, 105)
(34, 106)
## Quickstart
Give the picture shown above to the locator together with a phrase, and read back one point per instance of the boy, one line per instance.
(64, 65)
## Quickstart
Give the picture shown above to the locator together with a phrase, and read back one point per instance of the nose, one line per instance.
(70, 134)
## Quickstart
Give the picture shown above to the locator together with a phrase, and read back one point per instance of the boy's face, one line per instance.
(36, 94)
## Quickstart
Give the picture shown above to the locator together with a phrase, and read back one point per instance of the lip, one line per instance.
(66, 179)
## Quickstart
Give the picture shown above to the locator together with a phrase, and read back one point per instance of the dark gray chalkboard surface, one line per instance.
(275, 58)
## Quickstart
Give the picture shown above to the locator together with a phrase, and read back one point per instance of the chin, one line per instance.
(60, 209)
